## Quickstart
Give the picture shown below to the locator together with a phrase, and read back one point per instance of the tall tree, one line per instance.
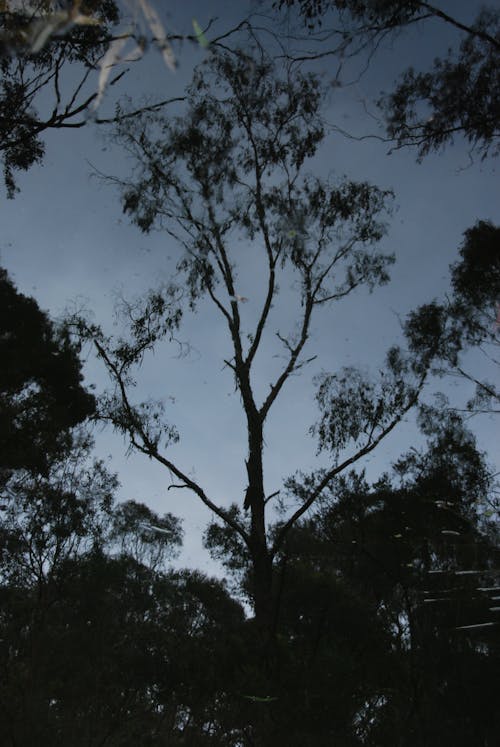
(234, 164)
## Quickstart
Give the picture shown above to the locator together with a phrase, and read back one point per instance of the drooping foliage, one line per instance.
(469, 320)
(458, 97)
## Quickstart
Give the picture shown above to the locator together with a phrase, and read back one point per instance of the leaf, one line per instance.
(109, 60)
(200, 36)
(83, 20)
(44, 27)
(159, 33)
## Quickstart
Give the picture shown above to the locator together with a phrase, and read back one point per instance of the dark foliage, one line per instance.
(469, 319)
(417, 550)
(384, 14)
(427, 110)
(460, 96)
(384, 627)
(41, 393)
(476, 276)
(24, 74)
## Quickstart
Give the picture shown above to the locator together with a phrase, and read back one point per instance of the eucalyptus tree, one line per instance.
(234, 166)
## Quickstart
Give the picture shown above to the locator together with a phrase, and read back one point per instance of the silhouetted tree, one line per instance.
(426, 110)
(384, 621)
(41, 392)
(234, 165)
(98, 640)
(122, 654)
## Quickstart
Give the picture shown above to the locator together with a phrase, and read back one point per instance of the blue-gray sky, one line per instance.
(64, 239)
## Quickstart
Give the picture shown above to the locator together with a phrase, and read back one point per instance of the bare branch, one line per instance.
(462, 26)
(276, 492)
(294, 354)
(148, 447)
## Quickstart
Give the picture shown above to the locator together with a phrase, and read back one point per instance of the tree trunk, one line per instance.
(263, 591)
(262, 574)
(263, 725)
(255, 501)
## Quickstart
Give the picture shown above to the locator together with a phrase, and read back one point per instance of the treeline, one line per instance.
(385, 629)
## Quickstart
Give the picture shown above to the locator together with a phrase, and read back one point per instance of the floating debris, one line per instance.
(200, 36)
(478, 625)
(153, 528)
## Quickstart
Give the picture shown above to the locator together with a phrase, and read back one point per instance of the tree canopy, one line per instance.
(41, 392)
(50, 53)
(384, 633)
(426, 110)
(469, 318)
